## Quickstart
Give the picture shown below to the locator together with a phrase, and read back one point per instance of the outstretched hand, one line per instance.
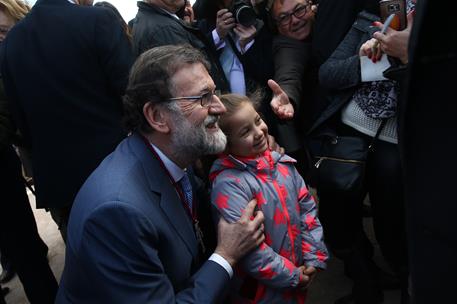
(280, 102)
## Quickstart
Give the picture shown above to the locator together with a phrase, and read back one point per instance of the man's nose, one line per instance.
(217, 107)
(295, 20)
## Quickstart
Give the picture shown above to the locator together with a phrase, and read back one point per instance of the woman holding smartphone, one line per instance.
(358, 109)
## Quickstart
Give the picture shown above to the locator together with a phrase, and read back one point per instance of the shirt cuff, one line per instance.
(246, 47)
(218, 42)
(223, 262)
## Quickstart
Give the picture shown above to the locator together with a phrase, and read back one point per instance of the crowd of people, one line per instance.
(176, 151)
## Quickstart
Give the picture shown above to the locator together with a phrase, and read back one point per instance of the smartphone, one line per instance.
(397, 7)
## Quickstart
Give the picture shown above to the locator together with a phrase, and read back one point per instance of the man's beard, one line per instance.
(191, 142)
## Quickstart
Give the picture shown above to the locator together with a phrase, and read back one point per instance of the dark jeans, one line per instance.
(341, 214)
(19, 238)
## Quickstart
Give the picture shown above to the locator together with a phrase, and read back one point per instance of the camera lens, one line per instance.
(244, 14)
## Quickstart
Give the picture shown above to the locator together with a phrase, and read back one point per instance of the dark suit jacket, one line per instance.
(427, 141)
(131, 241)
(155, 27)
(65, 67)
(341, 71)
(291, 62)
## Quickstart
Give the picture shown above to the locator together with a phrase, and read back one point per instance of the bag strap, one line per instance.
(378, 132)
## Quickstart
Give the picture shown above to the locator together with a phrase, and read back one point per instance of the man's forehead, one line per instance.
(281, 6)
(192, 79)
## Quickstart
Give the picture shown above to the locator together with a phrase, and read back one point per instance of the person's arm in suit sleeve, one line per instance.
(230, 198)
(313, 247)
(114, 50)
(119, 252)
(342, 69)
(290, 63)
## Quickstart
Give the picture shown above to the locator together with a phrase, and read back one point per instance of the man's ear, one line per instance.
(156, 116)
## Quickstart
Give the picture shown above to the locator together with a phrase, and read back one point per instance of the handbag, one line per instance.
(339, 161)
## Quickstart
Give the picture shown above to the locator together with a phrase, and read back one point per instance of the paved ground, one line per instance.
(329, 285)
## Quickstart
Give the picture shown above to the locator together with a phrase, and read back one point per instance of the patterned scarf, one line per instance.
(378, 99)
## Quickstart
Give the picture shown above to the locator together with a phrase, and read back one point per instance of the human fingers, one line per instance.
(275, 87)
(285, 112)
(274, 103)
(380, 37)
(259, 237)
(309, 270)
(365, 50)
(378, 54)
(230, 21)
(410, 19)
(257, 221)
(249, 211)
(221, 12)
(303, 281)
(238, 32)
(378, 24)
(259, 232)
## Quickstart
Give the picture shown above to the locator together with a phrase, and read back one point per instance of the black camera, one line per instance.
(243, 13)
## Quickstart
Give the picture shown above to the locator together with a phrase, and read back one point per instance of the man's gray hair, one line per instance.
(150, 80)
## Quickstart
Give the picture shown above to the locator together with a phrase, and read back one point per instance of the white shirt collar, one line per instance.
(175, 171)
(72, 1)
(171, 14)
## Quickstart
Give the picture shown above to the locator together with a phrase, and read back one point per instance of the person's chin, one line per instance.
(302, 33)
(261, 147)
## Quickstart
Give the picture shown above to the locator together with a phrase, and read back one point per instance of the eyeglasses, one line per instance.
(298, 12)
(205, 100)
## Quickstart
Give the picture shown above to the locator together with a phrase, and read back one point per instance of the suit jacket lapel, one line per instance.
(170, 201)
(171, 204)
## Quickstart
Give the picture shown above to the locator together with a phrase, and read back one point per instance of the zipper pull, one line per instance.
(318, 163)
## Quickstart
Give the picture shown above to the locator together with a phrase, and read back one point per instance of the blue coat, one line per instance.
(131, 241)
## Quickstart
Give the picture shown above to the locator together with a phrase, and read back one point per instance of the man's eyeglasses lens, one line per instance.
(205, 100)
(299, 12)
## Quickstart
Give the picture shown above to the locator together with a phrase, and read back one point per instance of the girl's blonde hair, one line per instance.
(17, 9)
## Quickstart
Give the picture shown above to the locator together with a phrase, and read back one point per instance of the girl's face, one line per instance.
(246, 132)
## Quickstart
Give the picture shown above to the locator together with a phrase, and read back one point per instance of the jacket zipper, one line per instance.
(322, 158)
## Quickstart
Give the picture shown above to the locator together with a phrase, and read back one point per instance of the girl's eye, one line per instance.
(258, 120)
(244, 132)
